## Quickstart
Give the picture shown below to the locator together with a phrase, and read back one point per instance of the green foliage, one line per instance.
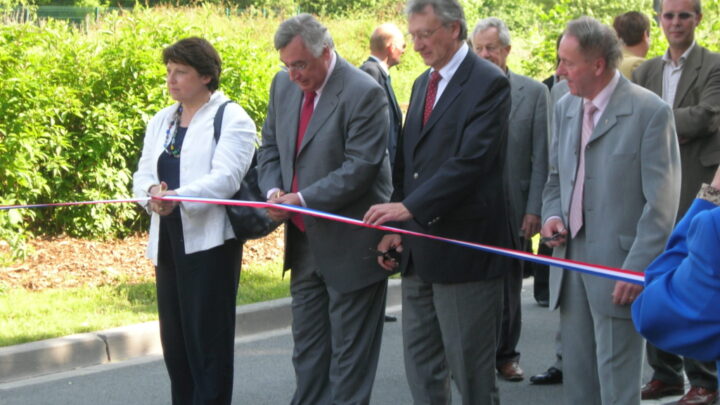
(74, 101)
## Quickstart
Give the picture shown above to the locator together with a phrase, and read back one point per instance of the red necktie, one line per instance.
(430, 95)
(305, 115)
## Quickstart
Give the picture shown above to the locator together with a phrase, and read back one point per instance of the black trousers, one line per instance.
(196, 305)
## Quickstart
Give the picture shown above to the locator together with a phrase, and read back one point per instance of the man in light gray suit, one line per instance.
(687, 77)
(614, 182)
(525, 175)
(324, 147)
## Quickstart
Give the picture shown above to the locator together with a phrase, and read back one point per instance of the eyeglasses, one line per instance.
(682, 15)
(424, 34)
(294, 67)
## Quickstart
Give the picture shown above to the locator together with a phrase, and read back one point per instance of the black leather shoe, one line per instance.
(389, 318)
(551, 376)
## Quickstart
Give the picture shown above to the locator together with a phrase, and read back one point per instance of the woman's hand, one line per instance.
(161, 207)
(716, 180)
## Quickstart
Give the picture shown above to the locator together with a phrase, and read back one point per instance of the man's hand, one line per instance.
(530, 226)
(554, 229)
(625, 293)
(391, 241)
(378, 214)
(163, 208)
(280, 197)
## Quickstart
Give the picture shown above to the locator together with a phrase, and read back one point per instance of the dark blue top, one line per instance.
(168, 166)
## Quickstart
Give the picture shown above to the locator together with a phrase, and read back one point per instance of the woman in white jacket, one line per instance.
(192, 245)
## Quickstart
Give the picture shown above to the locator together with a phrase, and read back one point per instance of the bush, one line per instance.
(74, 101)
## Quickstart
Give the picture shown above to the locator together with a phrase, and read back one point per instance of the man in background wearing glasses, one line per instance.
(687, 77)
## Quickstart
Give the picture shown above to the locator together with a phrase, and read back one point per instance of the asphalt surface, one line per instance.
(264, 373)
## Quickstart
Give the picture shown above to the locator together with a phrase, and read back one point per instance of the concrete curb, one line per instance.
(127, 342)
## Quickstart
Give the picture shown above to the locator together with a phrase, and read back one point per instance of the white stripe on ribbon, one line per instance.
(602, 271)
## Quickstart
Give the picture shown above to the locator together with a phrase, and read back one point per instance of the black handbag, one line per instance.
(247, 222)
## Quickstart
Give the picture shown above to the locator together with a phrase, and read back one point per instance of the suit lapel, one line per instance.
(413, 122)
(516, 94)
(689, 75)
(452, 90)
(326, 105)
(574, 116)
(296, 100)
(617, 106)
(654, 80)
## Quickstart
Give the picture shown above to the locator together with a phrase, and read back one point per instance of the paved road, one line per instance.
(264, 372)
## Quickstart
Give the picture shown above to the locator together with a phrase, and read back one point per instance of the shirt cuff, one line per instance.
(302, 200)
(709, 193)
(271, 192)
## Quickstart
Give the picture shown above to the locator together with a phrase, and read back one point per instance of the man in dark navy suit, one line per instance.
(448, 181)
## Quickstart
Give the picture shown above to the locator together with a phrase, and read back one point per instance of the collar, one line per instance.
(666, 56)
(333, 60)
(451, 67)
(603, 98)
(382, 64)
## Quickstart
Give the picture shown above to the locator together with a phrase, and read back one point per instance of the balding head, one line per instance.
(387, 43)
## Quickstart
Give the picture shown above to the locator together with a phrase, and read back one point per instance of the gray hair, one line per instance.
(315, 35)
(448, 11)
(596, 39)
(498, 24)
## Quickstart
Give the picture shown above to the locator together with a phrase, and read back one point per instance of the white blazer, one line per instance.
(205, 171)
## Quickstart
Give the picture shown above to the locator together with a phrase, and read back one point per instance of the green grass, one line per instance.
(27, 316)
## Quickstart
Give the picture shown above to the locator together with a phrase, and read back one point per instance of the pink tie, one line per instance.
(430, 95)
(305, 115)
(576, 204)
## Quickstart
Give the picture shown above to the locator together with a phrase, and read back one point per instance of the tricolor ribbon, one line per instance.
(594, 269)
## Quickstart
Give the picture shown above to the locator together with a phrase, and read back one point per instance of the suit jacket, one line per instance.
(696, 107)
(373, 68)
(449, 174)
(526, 162)
(678, 309)
(342, 167)
(632, 185)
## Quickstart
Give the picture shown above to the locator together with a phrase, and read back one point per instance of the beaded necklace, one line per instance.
(170, 135)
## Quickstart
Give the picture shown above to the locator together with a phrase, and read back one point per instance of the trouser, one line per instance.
(668, 368)
(511, 315)
(336, 335)
(196, 306)
(602, 354)
(440, 326)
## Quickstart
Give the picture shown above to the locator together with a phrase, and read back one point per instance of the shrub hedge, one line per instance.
(74, 100)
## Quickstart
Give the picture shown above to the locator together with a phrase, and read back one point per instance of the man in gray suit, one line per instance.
(614, 182)
(323, 147)
(687, 77)
(387, 45)
(525, 174)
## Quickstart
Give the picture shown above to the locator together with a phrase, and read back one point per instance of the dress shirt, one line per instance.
(671, 74)
(447, 71)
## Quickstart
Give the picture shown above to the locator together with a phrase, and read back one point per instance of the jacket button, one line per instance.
(415, 175)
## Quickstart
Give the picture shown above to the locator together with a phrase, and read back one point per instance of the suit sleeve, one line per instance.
(482, 141)
(678, 310)
(696, 121)
(269, 172)
(660, 174)
(540, 130)
(551, 206)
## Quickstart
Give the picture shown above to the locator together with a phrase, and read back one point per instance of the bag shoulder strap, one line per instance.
(217, 123)
(217, 127)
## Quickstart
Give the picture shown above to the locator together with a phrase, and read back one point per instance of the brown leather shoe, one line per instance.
(511, 371)
(657, 389)
(698, 396)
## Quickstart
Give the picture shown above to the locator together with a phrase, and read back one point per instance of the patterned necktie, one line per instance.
(430, 95)
(576, 203)
(305, 115)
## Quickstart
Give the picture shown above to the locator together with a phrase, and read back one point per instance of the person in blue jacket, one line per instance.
(679, 309)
